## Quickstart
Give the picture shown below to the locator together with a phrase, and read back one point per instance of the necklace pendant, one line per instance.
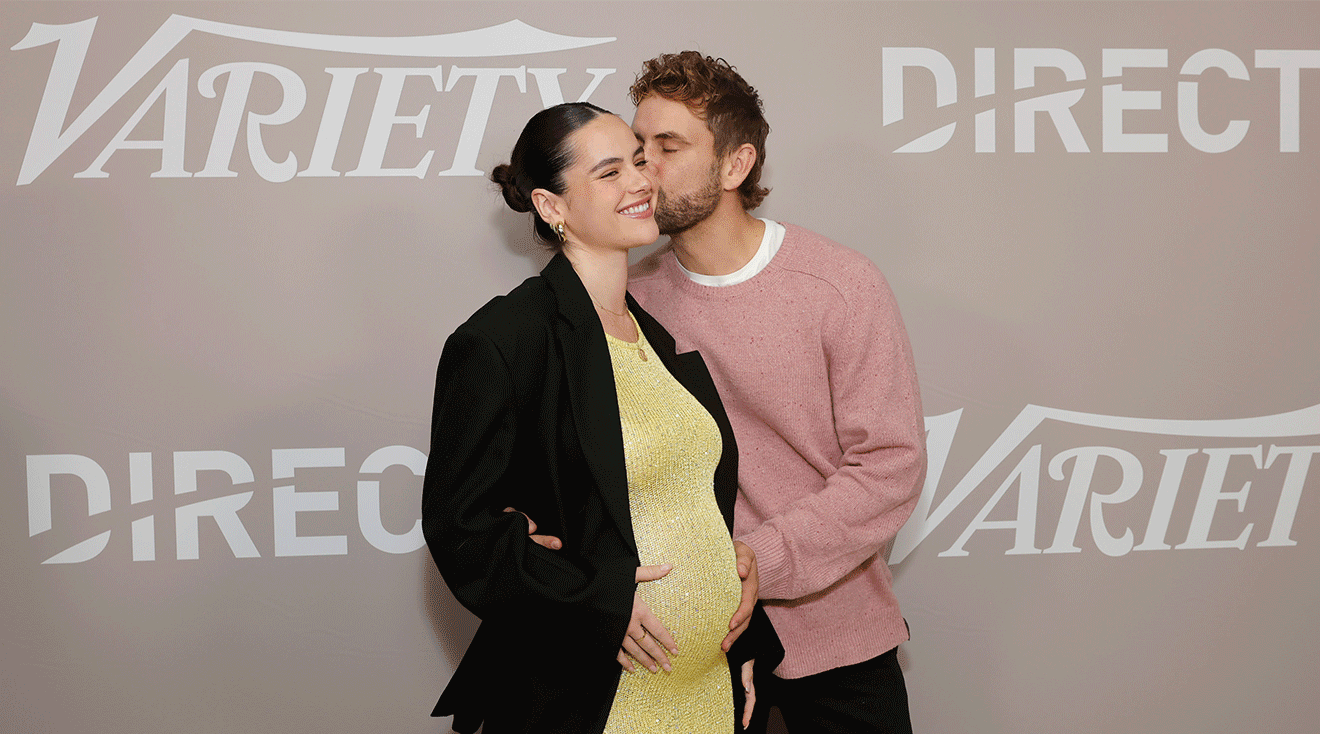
(641, 353)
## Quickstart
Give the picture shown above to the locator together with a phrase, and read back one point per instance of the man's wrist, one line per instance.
(772, 567)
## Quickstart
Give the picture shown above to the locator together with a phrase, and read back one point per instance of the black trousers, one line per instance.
(867, 697)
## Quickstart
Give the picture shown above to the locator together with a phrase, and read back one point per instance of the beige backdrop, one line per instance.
(237, 234)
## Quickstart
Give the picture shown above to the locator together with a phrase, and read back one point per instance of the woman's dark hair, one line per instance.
(539, 159)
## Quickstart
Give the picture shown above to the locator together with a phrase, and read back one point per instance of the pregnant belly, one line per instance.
(698, 597)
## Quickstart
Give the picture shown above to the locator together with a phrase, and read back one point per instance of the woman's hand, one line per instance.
(749, 693)
(547, 541)
(646, 640)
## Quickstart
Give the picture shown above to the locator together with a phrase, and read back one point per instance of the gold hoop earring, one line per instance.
(559, 231)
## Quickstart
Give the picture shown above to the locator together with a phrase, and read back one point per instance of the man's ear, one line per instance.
(549, 205)
(737, 165)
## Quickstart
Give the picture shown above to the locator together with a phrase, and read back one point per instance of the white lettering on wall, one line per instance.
(1120, 132)
(1215, 506)
(1073, 474)
(51, 138)
(230, 512)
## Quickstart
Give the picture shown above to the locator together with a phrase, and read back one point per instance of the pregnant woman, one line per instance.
(567, 401)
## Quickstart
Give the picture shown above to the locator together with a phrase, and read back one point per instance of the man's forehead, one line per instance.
(668, 119)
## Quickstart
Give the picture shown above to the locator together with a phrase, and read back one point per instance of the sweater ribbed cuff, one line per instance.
(772, 567)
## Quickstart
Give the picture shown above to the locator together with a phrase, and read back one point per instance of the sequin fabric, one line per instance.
(671, 447)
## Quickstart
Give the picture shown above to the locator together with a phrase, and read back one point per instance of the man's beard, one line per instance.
(680, 213)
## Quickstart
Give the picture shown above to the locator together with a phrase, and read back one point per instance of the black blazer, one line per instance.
(526, 416)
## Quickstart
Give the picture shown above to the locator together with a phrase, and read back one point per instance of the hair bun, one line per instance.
(513, 195)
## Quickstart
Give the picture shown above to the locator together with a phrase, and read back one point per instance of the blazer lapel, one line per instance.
(590, 377)
(688, 368)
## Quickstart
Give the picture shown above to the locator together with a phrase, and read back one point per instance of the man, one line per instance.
(807, 348)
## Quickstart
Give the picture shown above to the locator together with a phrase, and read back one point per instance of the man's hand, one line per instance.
(750, 586)
(646, 640)
(749, 693)
(548, 541)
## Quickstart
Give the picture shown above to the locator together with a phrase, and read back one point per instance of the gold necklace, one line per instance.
(640, 351)
(620, 314)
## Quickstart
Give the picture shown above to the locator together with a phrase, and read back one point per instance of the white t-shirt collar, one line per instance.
(770, 243)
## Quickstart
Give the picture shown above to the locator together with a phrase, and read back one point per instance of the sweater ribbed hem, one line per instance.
(831, 646)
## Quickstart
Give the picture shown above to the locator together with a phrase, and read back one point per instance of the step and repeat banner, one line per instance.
(236, 235)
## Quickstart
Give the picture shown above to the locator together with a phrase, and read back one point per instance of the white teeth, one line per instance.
(638, 209)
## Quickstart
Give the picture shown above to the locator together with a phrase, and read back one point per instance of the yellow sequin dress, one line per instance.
(671, 446)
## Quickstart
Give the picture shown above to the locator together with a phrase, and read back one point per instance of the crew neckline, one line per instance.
(772, 239)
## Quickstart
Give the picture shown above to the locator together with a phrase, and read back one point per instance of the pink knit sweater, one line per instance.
(813, 364)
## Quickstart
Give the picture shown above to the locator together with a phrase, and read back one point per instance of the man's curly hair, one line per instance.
(714, 92)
